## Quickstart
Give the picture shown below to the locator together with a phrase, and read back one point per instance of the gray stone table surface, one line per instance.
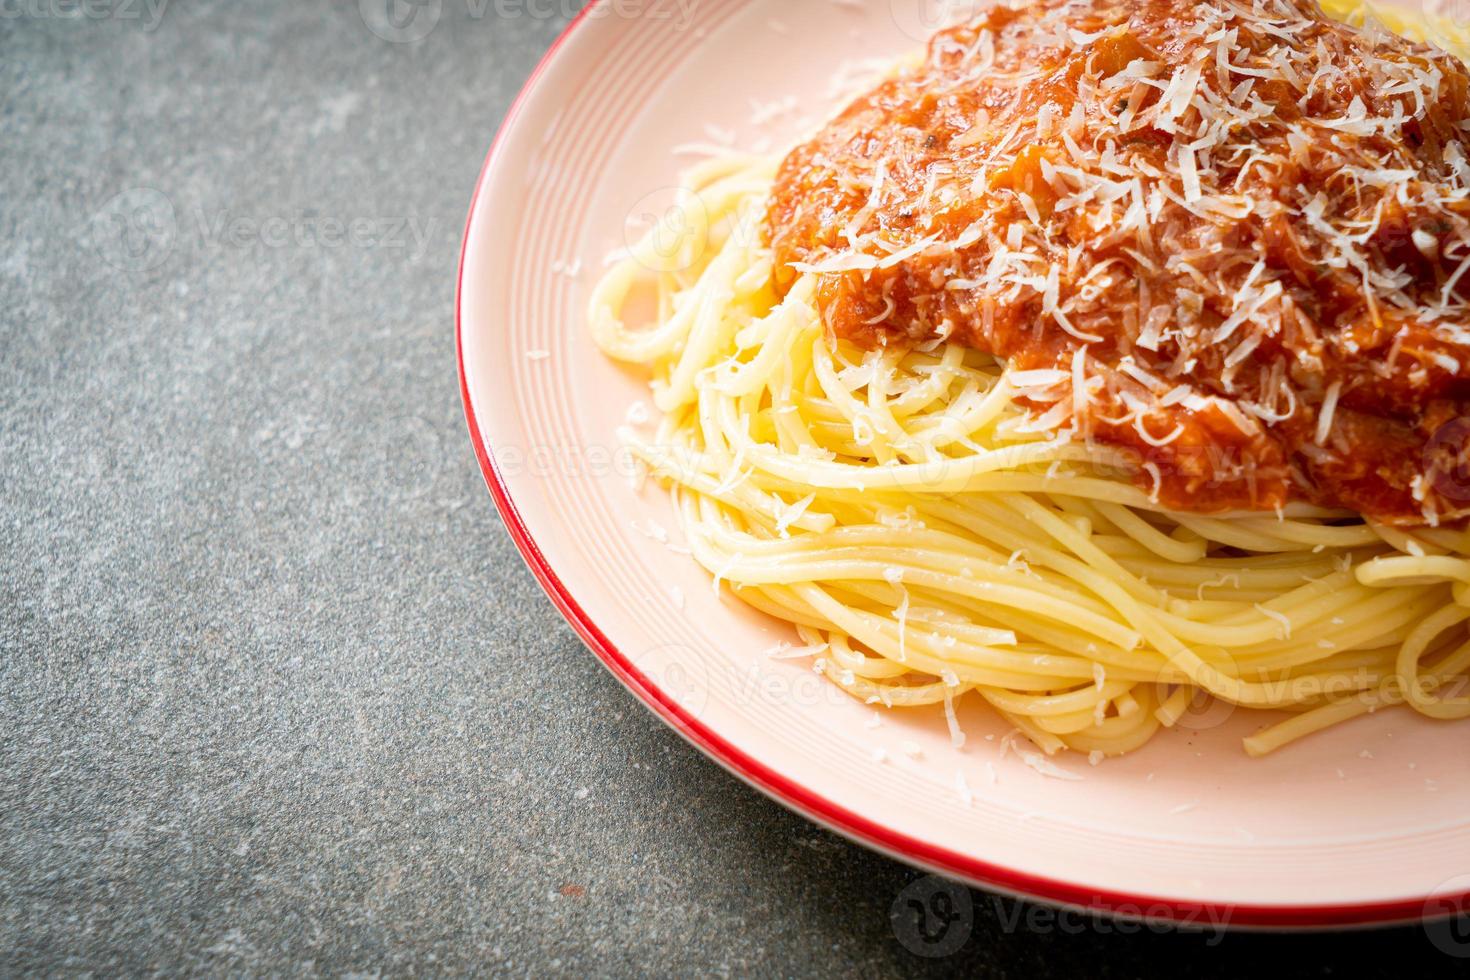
(277, 694)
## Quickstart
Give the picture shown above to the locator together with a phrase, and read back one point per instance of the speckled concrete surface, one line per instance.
(263, 705)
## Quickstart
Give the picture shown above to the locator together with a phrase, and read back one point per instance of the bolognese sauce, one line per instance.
(1231, 238)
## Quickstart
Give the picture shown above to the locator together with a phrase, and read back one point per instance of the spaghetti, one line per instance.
(932, 530)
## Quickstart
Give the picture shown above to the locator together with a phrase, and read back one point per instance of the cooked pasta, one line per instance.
(932, 535)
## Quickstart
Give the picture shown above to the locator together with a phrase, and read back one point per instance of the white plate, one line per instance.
(1367, 823)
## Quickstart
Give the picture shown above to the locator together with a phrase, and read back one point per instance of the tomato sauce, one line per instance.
(1245, 228)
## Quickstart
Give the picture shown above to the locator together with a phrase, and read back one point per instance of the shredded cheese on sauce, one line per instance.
(1231, 237)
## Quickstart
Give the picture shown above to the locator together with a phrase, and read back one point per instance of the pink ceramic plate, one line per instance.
(1368, 823)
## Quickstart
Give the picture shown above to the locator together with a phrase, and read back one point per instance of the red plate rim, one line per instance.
(822, 811)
